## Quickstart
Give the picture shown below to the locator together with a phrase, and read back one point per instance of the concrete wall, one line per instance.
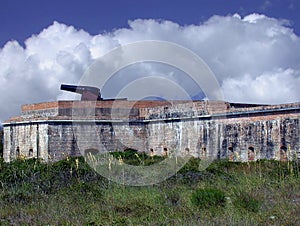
(238, 139)
(28, 140)
(203, 129)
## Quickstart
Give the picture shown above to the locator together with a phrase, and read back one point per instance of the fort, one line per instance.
(204, 129)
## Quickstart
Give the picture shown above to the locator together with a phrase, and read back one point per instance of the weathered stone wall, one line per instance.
(237, 139)
(240, 132)
(1, 141)
(263, 137)
(65, 139)
(28, 140)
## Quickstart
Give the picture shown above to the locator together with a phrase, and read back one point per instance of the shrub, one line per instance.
(133, 157)
(208, 198)
(126, 154)
(191, 166)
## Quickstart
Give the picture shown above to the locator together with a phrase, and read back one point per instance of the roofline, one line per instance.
(217, 115)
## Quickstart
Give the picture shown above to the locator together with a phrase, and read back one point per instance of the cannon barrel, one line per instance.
(87, 92)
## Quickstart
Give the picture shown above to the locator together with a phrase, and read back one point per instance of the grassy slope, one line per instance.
(265, 192)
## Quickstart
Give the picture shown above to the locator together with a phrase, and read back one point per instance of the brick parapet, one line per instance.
(139, 110)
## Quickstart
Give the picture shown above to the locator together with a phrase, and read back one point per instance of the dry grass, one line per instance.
(70, 193)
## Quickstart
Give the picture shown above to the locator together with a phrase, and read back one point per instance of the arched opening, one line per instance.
(165, 153)
(230, 153)
(283, 153)
(186, 151)
(18, 151)
(30, 152)
(283, 148)
(203, 152)
(251, 154)
(151, 152)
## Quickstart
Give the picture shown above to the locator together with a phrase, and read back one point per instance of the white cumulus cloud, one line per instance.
(255, 59)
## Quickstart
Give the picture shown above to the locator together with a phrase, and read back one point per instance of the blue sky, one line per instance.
(251, 46)
(20, 19)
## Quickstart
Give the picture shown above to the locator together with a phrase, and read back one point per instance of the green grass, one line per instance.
(226, 193)
(206, 198)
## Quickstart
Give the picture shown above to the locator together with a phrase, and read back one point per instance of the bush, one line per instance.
(127, 154)
(208, 198)
(133, 157)
(191, 166)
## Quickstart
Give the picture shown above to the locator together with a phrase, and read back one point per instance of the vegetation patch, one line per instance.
(208, 198)
(247, 202)
(133, 157)
(70, 192)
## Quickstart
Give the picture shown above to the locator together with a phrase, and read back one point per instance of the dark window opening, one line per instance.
(187, 151)
(203, 152)
(251, 154)
(151, 152)
(283, 148)
(30, 153)
(230, 153)
(283, 153)
(165, 151)
(251, 149)
(18, 151)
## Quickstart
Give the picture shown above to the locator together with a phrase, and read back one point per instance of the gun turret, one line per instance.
(87, 92)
